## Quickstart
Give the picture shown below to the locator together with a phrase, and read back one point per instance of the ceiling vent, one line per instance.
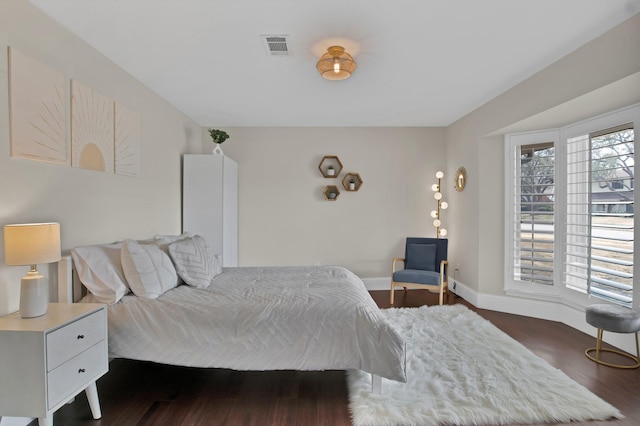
(276, 45)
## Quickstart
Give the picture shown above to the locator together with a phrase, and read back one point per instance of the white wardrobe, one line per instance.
(210, 202)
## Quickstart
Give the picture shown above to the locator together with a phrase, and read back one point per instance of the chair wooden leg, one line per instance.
(392, 292)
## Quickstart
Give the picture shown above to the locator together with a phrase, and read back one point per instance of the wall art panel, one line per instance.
(92, 129)
(127, 140)
(38, 109)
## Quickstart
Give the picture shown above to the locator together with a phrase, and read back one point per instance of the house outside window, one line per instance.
(570, 231)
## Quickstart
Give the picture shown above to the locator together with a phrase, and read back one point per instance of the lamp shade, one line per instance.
(336, 64)
(31, 243)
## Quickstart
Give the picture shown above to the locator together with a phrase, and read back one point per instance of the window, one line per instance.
(530, 239)
(570, 209)
(534, 217)
(600, 220)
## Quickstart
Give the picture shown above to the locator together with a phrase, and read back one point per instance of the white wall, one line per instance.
(91, 207)
(284, 218)
(599, 76)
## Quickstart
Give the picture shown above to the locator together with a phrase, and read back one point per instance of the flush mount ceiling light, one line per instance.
(336, 64)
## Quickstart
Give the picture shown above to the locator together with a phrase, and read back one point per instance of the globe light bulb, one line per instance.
(439, 175)
(434, 214)
(336, 66)
(437, 223)
(443, 232)
(444, 205)
(434, 187)
(437, 196)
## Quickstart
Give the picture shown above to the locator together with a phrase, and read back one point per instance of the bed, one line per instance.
(241, 318)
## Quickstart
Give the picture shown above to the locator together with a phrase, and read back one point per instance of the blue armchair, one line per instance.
(425, 266)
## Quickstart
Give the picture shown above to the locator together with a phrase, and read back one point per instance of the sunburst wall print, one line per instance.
(92, 129)
(38, 108)
(127, 140)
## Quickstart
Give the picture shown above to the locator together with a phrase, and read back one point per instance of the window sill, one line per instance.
(550, 297)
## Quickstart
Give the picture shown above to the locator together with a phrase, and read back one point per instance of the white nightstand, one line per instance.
(46, 361)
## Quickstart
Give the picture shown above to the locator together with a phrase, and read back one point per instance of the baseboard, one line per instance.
(572, 316)
(15, 421)
(559, 312)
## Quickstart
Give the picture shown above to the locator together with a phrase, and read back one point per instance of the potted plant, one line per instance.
(218, 136)
(352, 184)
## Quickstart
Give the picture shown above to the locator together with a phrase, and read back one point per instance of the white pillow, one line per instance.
(163, 241)
(148, 270)
(100, 270)
(195, 262)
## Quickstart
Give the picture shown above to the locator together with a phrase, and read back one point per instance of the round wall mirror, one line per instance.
(461, 179)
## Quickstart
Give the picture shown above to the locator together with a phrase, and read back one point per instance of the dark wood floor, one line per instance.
(140, 393)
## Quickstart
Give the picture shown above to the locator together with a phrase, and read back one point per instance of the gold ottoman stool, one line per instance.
(617, 319)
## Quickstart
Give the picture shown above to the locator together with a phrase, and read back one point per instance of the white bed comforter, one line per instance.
(262, 318)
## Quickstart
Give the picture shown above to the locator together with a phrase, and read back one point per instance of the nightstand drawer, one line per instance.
(76, 374)
(67, 342)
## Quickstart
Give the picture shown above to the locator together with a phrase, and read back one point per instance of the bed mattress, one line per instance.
(262, 318)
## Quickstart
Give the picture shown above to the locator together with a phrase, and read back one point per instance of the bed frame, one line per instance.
(71, 290)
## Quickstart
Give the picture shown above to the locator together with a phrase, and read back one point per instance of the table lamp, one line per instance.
(32, 244)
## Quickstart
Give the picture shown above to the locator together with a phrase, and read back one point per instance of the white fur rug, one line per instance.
(462, 370)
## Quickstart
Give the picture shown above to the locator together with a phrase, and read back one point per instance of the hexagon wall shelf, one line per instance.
(330, 166)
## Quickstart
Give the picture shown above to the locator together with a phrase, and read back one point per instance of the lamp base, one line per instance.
(34, 295)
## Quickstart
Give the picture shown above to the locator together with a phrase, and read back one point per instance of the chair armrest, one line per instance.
(393, 263)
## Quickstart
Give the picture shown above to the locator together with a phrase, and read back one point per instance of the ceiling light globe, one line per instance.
(437, 196)
(434, 214)
(444, 205)
(434, 187)
(439, 175)
(443, 232)
(336, 64)
(437, 223)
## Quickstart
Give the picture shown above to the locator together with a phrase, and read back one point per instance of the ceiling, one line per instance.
(420, 63)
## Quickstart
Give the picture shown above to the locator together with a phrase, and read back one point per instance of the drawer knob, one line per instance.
(81, 370)
(80, 336)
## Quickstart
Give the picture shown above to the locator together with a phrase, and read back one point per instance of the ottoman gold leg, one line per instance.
(598, 349)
